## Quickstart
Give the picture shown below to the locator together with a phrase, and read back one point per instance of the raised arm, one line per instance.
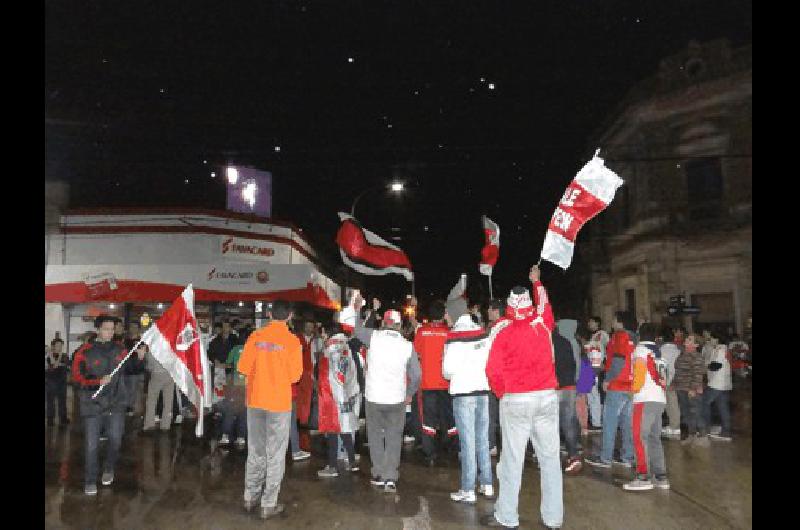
(540, 299)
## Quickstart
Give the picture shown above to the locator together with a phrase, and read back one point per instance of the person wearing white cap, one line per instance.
(390, 362)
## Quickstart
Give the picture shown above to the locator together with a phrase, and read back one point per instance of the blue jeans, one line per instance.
(691, 410)
(617, 412)
(233, 415)
(472, 421)
(113, 425)
(530, 416)
(722, 399)
(567, 414)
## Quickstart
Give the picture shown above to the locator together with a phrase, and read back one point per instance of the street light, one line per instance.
(396, 187)
(232, 174)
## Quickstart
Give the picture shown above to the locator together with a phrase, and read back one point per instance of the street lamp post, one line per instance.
(394, 186)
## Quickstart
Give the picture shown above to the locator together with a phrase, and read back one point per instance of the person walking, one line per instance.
(91, 369)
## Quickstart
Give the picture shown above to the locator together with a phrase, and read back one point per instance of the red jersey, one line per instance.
(429, 344)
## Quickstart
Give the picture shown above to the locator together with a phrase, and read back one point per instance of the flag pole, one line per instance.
(118, 366)
(490, 287)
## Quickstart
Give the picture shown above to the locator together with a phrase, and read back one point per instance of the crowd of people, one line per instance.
(507, 379)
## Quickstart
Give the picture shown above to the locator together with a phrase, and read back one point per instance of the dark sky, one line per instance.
(139, 94)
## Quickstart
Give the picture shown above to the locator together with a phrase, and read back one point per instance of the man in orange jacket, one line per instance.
(271, 361)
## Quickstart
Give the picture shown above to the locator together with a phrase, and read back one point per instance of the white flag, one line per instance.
(174, 341)
(589, 193)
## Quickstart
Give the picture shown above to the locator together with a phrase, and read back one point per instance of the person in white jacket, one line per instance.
(464, 365)
(392, 379)
(720, 384)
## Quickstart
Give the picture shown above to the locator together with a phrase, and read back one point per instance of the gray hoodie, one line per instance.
(456, 304)
(567, 328)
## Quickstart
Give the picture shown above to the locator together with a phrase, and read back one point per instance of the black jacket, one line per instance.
(219, 348)
(565, 360)
(91, 363)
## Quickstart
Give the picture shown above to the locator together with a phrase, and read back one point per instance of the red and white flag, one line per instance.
(491, 249)
(589, 193)
(174, 341)
(367, 253)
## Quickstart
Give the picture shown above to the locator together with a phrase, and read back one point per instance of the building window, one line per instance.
(704, 184)
(630, 300)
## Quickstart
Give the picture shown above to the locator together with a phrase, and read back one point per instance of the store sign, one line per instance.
(100, 285)
(224, 276)
(245, 247)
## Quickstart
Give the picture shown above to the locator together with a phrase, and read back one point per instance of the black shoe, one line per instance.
(489, 520)
(65, 421)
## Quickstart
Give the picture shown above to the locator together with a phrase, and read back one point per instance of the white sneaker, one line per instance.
(224, 440)
(301, 455)
(240, 442)
(408, 439)
(716, 429)
(178, 419)
(157, 418)
(493, 451)
(487, 491)
(464, 496)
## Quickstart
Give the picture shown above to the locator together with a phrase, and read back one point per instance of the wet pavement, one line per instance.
(174, 480)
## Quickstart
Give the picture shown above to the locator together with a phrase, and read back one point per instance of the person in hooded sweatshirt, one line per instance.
(464, 365)
(649, 401)
(91, 368)
(566, 373)
(521, 372)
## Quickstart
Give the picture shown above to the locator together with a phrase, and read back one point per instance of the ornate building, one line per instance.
(682, 222)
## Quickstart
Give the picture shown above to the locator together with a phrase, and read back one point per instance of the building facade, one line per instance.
(682, 222)
(136, 261)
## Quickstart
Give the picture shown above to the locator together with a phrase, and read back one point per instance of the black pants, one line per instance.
(494, 419)
(56, 391)
(436, 412)
(333, 448)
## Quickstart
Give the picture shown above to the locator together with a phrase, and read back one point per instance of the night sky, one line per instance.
(139, 94)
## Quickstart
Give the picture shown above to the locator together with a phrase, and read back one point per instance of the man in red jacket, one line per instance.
(435, 402)
(521, 371)
(618, 408)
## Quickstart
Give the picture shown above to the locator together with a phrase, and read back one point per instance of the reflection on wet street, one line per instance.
(174, 480)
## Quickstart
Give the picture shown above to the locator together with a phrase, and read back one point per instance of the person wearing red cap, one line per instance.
(392, 378)
(434, 401)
